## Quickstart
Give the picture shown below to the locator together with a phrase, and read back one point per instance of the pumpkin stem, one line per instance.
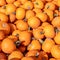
(56, 30)
(45, 13)
(14, 13)
(48, 7)
(29, 28)
(17, 43)
(3, 25)
(36, 3)
(4, 7)
(37, 54)
(59, 9)
(17, 35)
(55, 15)
(32, 38)
(25, 19)
(41, 32)
(41, 41)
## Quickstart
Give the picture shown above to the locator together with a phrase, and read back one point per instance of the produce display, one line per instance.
(29, 29)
